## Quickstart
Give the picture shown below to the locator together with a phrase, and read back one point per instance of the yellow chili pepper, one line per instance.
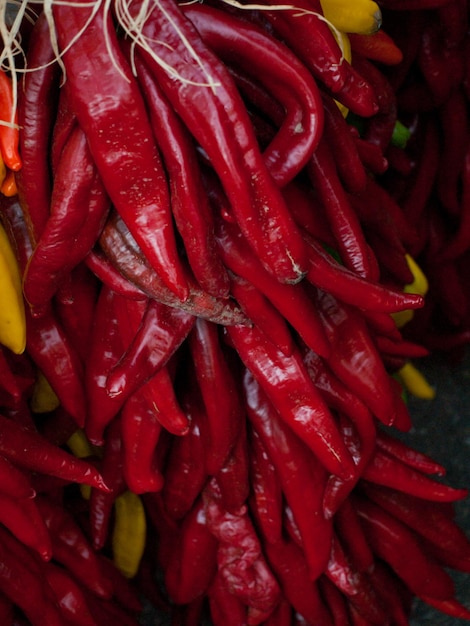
(419, 285)
(129, 533)
(43, 398)
(414, 381)
(12, 313)
(81, 448)
(362, 17)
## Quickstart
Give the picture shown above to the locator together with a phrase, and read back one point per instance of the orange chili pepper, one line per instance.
(8, 187)
(8, 129)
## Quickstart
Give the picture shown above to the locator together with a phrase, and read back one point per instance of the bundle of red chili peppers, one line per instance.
(218, 221)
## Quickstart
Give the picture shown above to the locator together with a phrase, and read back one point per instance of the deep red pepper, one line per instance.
(70, 598)
(240, 559)
(64, 124)
(398, 546)
(189, 203)
(100, 265)
(37, 95)
(160, 395)
(125, 591)
(334, 601)
(252, 50)
(353, 539)
(291, 569)
(342, 219)
(261, 312)
(393, 592)
(292, 301)
(219, 391)
(300, 475)
(111, 466)
(408, 455)
(193, 562)
(266, 492)
(72, 549)
(226, 608)
(450, 607)
(372, 156)
(122, 250)
(140, 433)
(378, 47)
(218, 120)
(233, 477)
(11, 392)
(24, 521)
(30, 450)
(285, 380)
(102, 97)
(14, 483)
(160, 333)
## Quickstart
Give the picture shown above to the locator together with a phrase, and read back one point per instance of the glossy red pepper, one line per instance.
(233, 478)
(218, 120)
(353, 538)
(334, 601)
(219, 391)
(408, 455)
(145, 208)
(189, 203)
(378, 47)
(36, 100)
(70, 598)
(286, 382)
(226, 609)
(252, 50)
(100, 265)
(24, 521)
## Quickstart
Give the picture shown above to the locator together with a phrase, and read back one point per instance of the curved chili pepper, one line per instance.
(450, 607)
(398, 546)
(286, 382)
(226, 608)
(9, 134)
(36, 101)
(291, 301)
(407, 455)
(353, 539)
(79, 206)
(144, 207)
(351, 288)
(193, 562)
(233, 478)
(160, 395)
(252, 50)
(301, 477)
(14, 483)
(244, 570)
(371, 156)
(124, 592)
(219, 393)
(140, 433)
(334, 601)
(386, 470)
(160, 333)
(32, 451)
(343, 221)
(100, 265)
(122, 250)
(378, 47)
(64, 124)
(24, 521)
(189, 203)
(218, 120)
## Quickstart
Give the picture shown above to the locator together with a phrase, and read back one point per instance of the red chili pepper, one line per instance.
(334, 601)
(218, 120)
(145, 207)
(193, 561)
(378, 47)
(7, 610)
(386, 470)
(266, 492)
(30, 450)
(11, 392)
(398, 546)
(185, 471)
(36, 100)
(353, 539)
(262, 313)
(14, 482)
(301, 476)
(24, 521)
(158, 336)
(100, 265)
(291, 301)
(72, 549)
(408, 455)
(9, 133)
(355, 585)
(354, 357)
(160, 395)
(189, 202)
(79, 206)
(125, 592)
(393, 592)
(285, 380)
(122, 250)
(292, 571)
(64, 124)
(344, 147)
(343, 221)
(233, 478)
(219, 390)
(240, 560)
(69, 596)
(140, 434)
(281, 616)
(252, 50)
(101, 504)
(225, 608)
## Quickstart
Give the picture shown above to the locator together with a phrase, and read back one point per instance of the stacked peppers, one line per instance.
(231, 232)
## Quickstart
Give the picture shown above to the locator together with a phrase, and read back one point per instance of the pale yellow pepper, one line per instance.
(129, 533)
(43, 399)
(415, 382)
(362, 17)
(81, 448)
(419, 286)
(12, 312)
